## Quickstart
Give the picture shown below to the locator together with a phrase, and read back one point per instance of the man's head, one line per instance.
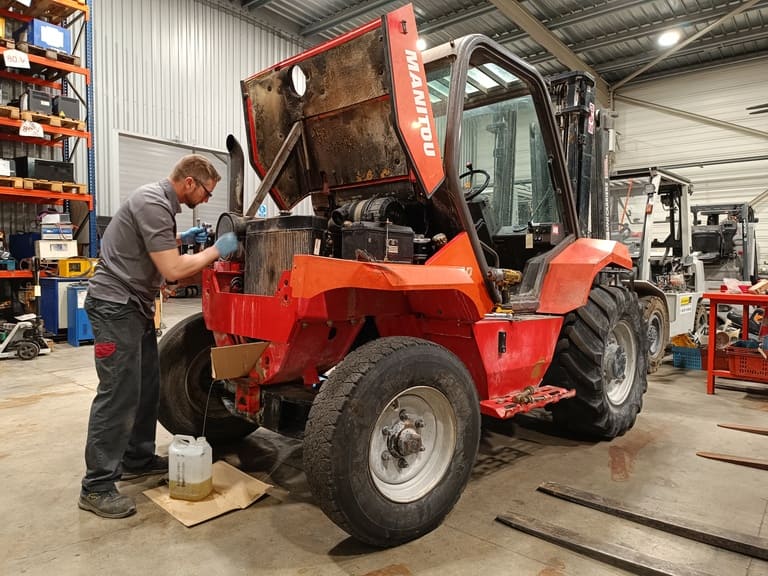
(194, 179)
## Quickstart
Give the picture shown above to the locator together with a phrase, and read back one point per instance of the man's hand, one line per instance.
(226, 244)
(196, 234)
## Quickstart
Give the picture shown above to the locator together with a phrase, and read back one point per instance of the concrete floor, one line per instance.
(43, 416)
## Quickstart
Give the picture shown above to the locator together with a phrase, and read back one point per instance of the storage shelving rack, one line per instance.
(50, 71)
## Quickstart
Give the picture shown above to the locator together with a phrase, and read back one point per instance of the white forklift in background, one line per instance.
(649, 212)
(725, 236)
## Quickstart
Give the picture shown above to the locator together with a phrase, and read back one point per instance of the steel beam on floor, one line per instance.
(613, 554)
(726, 539)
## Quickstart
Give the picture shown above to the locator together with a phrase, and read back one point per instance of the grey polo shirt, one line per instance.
(144, 223)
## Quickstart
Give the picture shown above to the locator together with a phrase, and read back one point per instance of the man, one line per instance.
(138, 250)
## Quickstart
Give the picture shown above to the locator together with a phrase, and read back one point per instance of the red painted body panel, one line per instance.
(320, 48)
(413, 109)
(318, 309)
(570, 274)
(530, 343)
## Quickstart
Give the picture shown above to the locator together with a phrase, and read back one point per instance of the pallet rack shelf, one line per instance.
(50, 70)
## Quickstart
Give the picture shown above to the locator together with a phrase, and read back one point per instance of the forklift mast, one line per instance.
(573, 97)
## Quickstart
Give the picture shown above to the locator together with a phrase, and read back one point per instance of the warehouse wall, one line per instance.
(171, 70)
(648, 137)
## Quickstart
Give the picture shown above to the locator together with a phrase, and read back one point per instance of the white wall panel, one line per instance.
(649, 137)
(171, 70)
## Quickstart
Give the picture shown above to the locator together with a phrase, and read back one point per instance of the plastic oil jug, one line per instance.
(190, 468)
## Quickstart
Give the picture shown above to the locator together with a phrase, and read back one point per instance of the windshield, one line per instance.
(500, 138)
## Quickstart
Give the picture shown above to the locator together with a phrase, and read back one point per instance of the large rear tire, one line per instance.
(185, 385)
(391, 440)
(602, 355)
(656, 319)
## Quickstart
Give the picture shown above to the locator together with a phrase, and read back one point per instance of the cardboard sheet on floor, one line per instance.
(232, 490)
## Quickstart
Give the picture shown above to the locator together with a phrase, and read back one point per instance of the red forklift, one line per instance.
(441, 276)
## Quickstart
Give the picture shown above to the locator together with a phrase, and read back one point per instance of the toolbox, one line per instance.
(377, 241)
(42, 169)
(66, 107)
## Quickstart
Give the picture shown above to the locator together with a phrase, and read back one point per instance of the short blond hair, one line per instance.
(197, 167)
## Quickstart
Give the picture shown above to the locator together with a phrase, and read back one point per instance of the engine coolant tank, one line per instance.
(190, 468)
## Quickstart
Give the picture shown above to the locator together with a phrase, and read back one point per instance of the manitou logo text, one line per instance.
(420, 100)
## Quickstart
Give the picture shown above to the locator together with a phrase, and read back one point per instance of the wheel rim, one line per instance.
(620, 362)
(655, 330)
(412, 444)
(27, 350)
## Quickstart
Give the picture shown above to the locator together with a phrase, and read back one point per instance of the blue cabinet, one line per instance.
(53, 302)
(78, 326)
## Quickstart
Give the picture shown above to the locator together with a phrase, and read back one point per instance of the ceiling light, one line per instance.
(669, 38)
(421, 44)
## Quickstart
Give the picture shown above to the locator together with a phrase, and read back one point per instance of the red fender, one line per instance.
(569, 279)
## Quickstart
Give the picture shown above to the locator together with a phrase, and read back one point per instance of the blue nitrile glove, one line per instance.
(226, 244)
(202, 237)
(190, 236)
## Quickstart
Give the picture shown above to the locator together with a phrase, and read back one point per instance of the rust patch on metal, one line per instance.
(622, 456)
(555, 567)
(539, 369)
(31, 399)
(391, 570)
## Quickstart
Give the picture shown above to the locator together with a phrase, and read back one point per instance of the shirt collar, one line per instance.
(170, 193)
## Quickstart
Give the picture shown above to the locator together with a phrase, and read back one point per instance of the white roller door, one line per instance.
(143, 160)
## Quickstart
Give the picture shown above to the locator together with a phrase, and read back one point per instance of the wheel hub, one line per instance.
(619, 363)
(653, 337)
(412, 444)
(403, 438)
(616, 364)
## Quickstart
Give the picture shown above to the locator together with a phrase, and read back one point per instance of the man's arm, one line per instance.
(174, 266)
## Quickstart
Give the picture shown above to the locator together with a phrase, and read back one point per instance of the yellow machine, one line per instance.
(77, 267)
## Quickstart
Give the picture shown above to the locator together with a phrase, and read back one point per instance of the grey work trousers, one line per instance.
(123, 421)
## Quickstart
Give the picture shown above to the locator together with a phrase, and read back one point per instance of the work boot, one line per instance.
(158, 465)
(109, 504)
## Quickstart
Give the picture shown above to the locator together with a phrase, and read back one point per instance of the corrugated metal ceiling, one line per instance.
(615, 37)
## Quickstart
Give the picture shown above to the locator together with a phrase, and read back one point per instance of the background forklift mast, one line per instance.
(633, 207)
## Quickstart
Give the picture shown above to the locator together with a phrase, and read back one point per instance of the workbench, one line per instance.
(746, 301)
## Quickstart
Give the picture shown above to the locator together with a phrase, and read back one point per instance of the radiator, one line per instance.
(270, 245)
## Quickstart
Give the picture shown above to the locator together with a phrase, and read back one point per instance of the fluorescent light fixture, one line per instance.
(421, 44)
(669, 38)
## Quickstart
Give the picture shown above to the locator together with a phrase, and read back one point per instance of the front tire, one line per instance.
(391, 440)
(185, 385)
(656, 319)
(602, 355)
